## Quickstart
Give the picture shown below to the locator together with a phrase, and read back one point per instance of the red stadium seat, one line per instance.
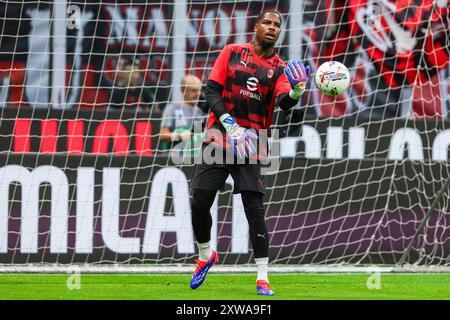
(91, 96)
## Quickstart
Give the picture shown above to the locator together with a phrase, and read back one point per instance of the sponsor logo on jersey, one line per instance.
(250, 94)
(252, 84)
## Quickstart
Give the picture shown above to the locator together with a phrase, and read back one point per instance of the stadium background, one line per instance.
(358, 171)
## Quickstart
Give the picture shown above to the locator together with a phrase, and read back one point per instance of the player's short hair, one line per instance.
(262, 14)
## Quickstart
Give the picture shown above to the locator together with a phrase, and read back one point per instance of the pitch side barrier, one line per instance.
(82, 187)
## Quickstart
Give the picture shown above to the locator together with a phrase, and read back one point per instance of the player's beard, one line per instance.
(266, 45)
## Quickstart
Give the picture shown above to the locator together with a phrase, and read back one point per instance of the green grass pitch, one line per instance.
(225, 287)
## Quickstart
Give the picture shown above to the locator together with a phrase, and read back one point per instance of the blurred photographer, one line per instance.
(129, 90)
(178, 118)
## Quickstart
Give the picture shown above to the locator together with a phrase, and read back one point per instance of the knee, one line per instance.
(254, 208)
(201, 201)
(195, 204)
(256, 220)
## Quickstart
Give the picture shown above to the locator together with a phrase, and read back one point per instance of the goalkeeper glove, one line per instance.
(242, 139)
(298, 76)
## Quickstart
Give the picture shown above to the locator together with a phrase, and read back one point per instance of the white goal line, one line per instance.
(187, 268)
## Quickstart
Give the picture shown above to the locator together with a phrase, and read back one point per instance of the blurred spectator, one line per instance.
(129, 89)
(178, 118)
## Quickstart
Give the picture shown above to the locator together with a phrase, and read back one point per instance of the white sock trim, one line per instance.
(261, 267)
(204, 251)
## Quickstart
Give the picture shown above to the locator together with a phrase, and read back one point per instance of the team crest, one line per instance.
(270, 74)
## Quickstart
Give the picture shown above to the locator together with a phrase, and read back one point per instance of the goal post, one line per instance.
(356, 181)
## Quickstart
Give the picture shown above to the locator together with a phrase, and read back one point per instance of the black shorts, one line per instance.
(247, 177)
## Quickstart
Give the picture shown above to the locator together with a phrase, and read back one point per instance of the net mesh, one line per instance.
(86, 176)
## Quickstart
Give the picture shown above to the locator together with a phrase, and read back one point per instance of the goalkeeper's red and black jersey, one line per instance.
(250, 87)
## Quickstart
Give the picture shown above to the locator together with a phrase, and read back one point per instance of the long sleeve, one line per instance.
(213, 94)
(285, 102)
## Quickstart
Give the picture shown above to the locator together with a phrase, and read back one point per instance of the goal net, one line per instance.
(86, 177)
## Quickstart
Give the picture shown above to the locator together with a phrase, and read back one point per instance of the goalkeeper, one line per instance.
(245, 84)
